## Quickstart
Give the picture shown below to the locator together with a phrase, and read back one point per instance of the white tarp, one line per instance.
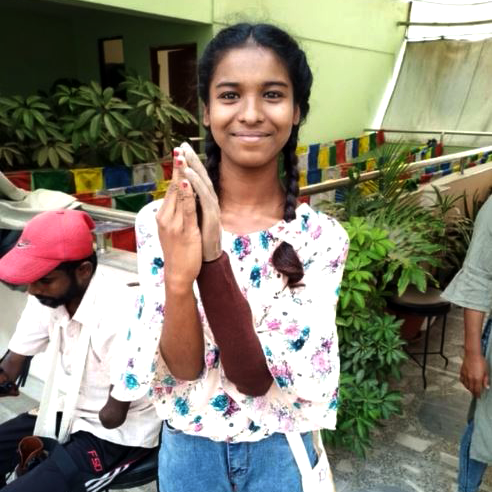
(444, 84)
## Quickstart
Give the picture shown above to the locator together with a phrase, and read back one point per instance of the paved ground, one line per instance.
(417, 451)
(414, 452)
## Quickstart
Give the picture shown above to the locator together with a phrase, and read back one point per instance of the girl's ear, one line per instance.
(206, 116)
(297, 114)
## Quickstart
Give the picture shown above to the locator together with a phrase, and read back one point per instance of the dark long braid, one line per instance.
(284, 258)
(212, 150)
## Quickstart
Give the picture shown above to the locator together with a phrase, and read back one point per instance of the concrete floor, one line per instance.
(418, 450)
(413, 452)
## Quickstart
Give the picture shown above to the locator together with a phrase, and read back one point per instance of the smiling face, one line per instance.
(251, 108)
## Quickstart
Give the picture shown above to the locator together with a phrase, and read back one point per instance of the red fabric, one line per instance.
(340, 146)
(82, 197)
(439, 150)
(344, 170)
(425, 178)
(124, 239)
(304, 199)
(380, 137)
(48, 239)
(101, 200)
(167, 169)
(21, 179)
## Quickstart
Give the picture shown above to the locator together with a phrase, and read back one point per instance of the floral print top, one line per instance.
(296, 328)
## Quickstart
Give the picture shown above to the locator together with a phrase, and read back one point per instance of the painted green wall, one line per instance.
(31, 53)
(351, 47)
(190, 10)
(139, 34)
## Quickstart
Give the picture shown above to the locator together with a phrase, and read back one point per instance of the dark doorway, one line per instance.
(174, 70)
(111, 61)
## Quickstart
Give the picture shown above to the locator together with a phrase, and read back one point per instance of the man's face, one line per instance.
(55, 289)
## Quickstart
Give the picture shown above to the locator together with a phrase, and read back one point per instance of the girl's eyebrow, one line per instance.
(265, 84)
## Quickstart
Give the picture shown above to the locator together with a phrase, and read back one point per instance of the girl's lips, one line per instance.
(250, 136)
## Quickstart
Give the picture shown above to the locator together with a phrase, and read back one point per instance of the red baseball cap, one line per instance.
(48, 239)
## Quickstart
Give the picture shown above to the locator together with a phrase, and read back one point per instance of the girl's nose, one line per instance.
(251, 111)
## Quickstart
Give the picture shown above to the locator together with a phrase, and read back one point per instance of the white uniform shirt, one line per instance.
(104, 310)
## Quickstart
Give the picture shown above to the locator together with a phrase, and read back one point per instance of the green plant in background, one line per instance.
(394, 242)
(370, 344)
(30, 128)
(88, 125)
(154, 112)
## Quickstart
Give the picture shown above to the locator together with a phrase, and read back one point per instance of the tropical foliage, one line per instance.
(89, 125)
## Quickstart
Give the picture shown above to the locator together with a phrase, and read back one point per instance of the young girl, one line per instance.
(238, 306)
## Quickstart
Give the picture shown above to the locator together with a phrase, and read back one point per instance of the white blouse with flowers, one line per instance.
(296, 328)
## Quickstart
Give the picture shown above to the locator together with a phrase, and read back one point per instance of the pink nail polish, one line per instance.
(175, 153)
(184, 184)
(178, 162)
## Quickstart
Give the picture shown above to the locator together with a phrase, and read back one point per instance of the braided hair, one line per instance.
(284, 258)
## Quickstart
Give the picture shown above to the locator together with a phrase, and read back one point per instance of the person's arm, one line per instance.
(474, 373)
(114, 412)
(11, 367)
(471, 288)
(230, 319)
(181, 342)
(227, 310)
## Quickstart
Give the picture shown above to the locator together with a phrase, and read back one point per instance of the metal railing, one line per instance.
(128, 218)
(441, 133)
(338, 183)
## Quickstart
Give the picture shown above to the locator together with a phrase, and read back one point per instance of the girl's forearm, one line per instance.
(231, 322)
(181, 343)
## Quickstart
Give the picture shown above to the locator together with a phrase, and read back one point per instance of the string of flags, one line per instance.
(130, 188)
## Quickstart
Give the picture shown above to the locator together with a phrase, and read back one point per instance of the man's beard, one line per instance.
(74, 291)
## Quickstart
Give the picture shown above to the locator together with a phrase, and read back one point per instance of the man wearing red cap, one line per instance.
(74, 311)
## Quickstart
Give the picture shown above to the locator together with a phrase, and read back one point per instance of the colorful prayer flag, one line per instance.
(88, 180)
(363, 144)
(323, 157)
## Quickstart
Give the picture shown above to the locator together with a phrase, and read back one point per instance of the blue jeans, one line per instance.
(471, 471)
(198, 464)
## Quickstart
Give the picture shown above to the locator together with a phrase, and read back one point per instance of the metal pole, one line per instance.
(435, 132)
(444, 24)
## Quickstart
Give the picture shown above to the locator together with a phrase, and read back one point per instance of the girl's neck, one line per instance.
(251, 199)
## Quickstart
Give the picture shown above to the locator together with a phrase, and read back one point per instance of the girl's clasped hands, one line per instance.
(186, 239)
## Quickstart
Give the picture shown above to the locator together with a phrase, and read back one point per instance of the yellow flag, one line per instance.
(302, 177)
(371, 164)
(323, 157)
(364, 144)
(302, 149)
(88, 180)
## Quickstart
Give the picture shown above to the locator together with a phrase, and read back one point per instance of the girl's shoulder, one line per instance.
(313, 225)
(147, 214)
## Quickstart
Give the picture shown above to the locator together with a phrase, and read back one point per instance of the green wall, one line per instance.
(139, 34)
(31, 53)
(190, 10)
(351, 47)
